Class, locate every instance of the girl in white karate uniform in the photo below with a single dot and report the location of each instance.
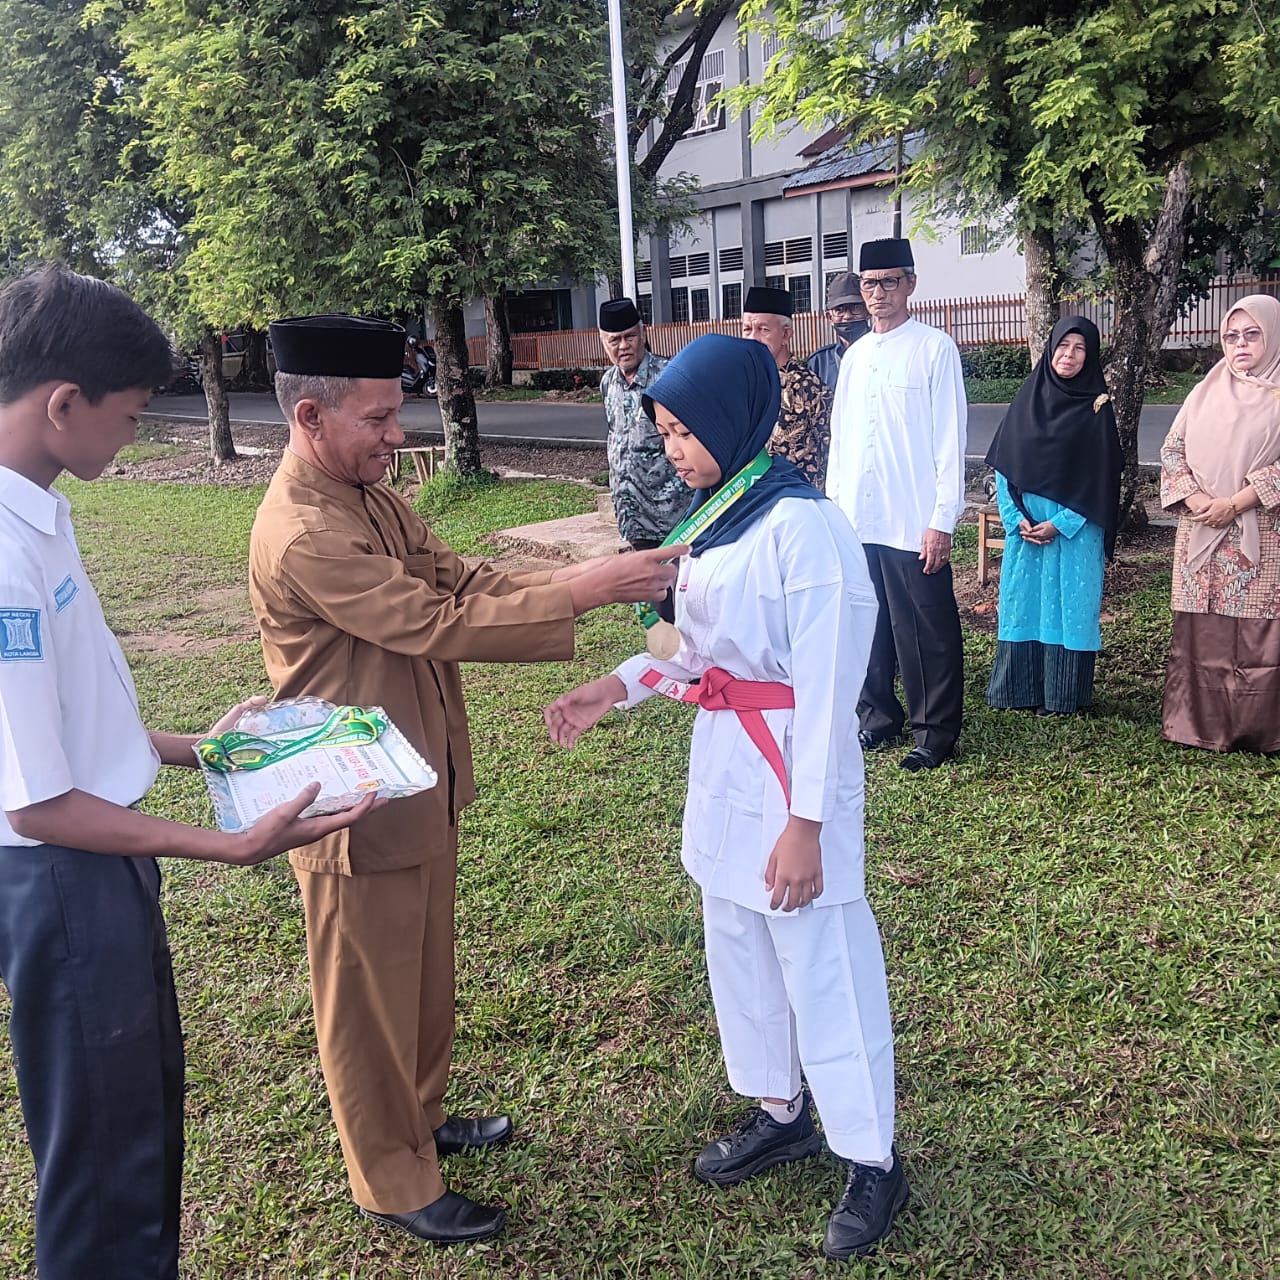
(775, 610)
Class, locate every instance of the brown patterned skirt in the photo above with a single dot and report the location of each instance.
(1222, 685)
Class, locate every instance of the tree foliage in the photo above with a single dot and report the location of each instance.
(1152, 124)
(378, 155)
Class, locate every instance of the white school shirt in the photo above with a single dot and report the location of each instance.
(68, 709)
(790, 601)
(898, 429)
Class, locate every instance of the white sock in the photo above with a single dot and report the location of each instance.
(784, 1112)
(883, 1165)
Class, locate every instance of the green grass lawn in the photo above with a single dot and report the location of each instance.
(1080, 925)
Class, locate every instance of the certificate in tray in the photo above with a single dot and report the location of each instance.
(276, 750)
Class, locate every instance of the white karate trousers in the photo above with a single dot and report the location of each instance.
(807, 991)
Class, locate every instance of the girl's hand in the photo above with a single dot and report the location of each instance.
(794, 872)
(1042, 534)
(573, 713)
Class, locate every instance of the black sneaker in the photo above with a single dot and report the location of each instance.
(865, 1213)
(757, 1143)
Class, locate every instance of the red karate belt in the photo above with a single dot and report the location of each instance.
(717, 690)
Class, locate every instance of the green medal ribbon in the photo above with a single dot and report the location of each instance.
(233, 751)
(706, 515)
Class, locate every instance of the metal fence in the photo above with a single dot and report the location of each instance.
(972, 322)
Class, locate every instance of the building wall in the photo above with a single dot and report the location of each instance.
(744, 209)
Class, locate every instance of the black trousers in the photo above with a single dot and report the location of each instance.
(917, 635)
(95, 1031)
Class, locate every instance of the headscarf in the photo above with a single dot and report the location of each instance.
(727, 393)
(1232, 422)
(1058, 438)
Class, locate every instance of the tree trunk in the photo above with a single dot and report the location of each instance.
(1145, 266)
(222, 448)
(1043, 305)
(254, 375)
(457, 400)
(497, 329)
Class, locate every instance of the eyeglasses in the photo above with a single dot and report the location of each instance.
(887, 283)
(1234, 337)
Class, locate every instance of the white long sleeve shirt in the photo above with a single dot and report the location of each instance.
(790, 602)
(898, 436)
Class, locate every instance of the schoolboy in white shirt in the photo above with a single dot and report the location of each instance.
(83, 949)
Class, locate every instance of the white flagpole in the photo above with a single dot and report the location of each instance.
(622, 151)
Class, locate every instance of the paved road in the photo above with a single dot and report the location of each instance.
(554, 422)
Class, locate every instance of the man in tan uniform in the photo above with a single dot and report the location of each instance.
(358, 602)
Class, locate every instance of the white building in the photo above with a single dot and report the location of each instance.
(788, 211)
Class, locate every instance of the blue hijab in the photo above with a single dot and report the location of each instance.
(726, 391)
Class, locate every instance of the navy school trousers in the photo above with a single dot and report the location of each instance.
(95, 1031)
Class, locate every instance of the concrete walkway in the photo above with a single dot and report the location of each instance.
(570, 539)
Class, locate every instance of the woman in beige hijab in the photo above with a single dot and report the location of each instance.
(1220, 474)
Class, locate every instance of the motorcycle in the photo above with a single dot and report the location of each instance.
(422, 380)
(186, 380)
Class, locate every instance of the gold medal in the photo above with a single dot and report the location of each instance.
(662, 640)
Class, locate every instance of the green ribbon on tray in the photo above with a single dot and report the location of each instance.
(707, 514)
(233, 751)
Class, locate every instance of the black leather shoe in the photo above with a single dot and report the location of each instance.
(453, 1219)
(921, 758)
(871, 741)
(467, 1133)
(757, 1143)
(865, 1213)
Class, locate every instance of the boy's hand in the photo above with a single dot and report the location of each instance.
(228, 721)
(794, 872)
(573, 713)
(282, 829)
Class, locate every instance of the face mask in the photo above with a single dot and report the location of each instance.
(849, 331)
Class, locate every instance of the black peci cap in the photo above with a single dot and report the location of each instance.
(338, 346)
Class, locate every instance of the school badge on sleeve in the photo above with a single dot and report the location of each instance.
(20, 639)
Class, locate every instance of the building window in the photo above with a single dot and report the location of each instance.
(700, 304)
(699, 264)
(835, 244)
(801, 293)
(975, 239)
(708, 113)
(644, 304)
(680, 306)
(731, 259)
(644, 271)
(730, 301)
(677, 268)
(774, 253)
(775, 282)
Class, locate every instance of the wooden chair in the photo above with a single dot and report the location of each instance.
(987, 517)
(427, 460)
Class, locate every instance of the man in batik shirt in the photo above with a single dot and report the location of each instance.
(803, 433)
(649, 499)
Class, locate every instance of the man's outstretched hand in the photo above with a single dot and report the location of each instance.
(631, 578)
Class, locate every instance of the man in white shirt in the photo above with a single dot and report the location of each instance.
(897, 471)
(83, 951)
